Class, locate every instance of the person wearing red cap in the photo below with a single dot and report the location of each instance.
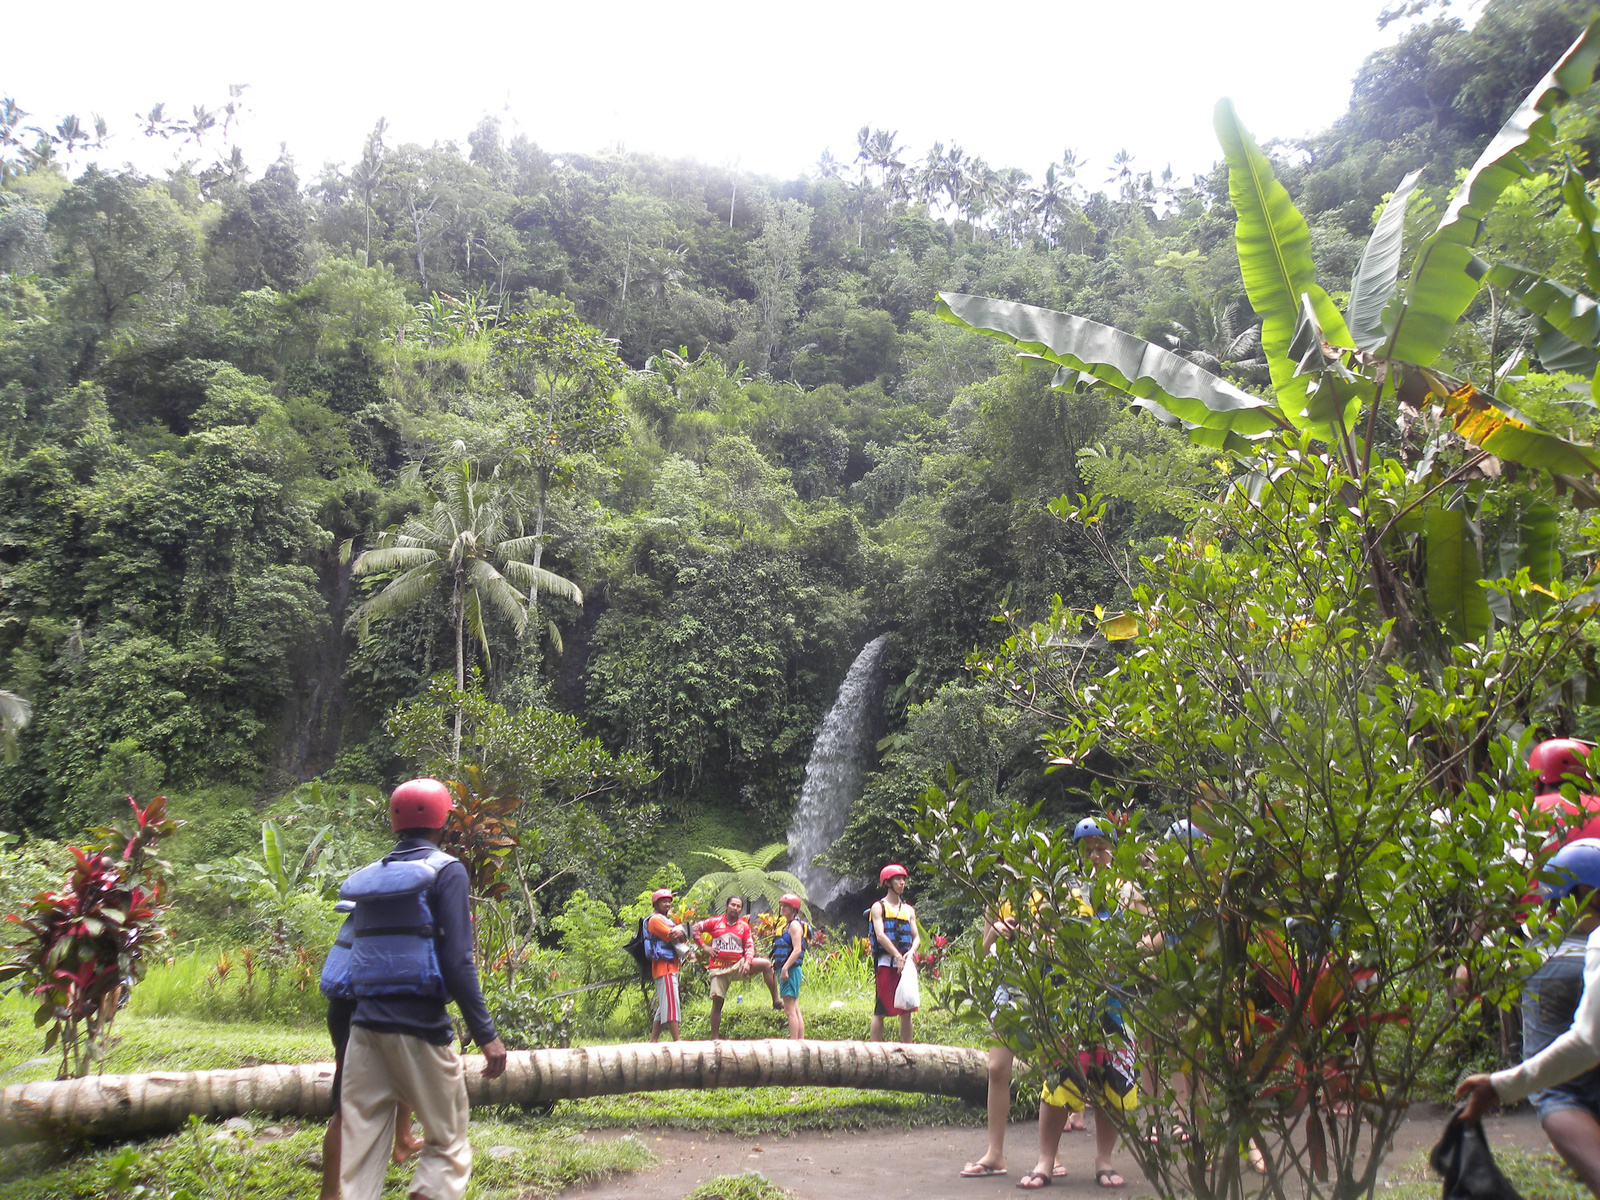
(401, 1045)
(1561, 761)
(895, 938)
(788, 953)
(660, 933)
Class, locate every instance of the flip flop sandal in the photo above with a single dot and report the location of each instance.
(1104, 1178)
(980, 1171)
(1059, 1171)
(1033, 1181)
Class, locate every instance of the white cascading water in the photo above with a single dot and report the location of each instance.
(834, 774)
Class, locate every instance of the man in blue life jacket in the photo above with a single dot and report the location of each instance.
(402, 975)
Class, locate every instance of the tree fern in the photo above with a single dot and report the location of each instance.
(748, 874)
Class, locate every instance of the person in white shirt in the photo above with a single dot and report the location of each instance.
(1560, 1028)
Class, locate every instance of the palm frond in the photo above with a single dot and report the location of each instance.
(538, 579)
(392, 558)
(411, 588)
(487, 583)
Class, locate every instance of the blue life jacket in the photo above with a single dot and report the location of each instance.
(386, 947)
(655, 947)
(782, 948)
(897, 929)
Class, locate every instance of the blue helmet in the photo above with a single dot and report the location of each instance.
(1185, 830)
(1089, 827)
(1579, 865)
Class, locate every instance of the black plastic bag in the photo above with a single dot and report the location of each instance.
(1462, 1157)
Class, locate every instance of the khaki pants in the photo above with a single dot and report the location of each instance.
(381, 1069)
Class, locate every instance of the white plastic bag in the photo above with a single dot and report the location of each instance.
(908, 993)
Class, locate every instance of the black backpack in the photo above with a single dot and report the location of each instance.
(635, 947)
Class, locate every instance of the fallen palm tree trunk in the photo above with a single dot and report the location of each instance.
(121, 1105)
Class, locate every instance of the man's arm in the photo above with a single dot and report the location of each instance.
(916, 933)
(1571, 1054)
(452, 918)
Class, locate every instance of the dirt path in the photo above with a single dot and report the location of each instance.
(923, 1164)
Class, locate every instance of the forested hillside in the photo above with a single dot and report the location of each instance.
(716, 406)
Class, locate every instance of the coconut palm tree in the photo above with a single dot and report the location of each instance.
(455, 542)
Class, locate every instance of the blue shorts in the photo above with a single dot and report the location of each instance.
(790, 987)
(1548, 1003)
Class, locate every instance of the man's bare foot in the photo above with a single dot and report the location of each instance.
(405, 1146)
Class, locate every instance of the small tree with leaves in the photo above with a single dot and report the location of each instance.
(85, 945)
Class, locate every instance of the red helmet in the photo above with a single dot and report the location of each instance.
(1558, 758)
(792, 900)
(419, 804)
(889, 872)
(661, 894)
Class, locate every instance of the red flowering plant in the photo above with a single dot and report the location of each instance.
(928, 961)
(84, 946)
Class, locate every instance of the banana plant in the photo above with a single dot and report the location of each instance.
(1331, 371)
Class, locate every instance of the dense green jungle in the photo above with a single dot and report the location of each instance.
(704, 429)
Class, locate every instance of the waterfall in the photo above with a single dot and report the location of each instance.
(834, 773)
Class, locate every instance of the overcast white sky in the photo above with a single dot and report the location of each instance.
(770, 86)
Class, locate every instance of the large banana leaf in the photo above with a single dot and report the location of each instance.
(1212, 439)
(1454, 596)
(1119, 359)
(1494, 426)
(1587, 215)
(1379, 271)
(1574, 315)
(1441, 286)
(1275, 260)
(1558, 352)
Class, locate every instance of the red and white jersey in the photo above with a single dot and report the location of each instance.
(731, 941)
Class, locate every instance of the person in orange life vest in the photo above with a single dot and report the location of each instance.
(401, 1044)
(660, 930)
(733, 953)
(895, 938)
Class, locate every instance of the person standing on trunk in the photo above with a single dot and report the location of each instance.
(659, 935)
(410, 953)
(895, 938)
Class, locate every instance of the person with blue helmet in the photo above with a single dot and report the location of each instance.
(1560, 1072)
(1104, 1076)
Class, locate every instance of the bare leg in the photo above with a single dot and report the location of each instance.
(1052, 1121)
(404, 1144)
(797, 1020)
(1001, 1062)
(1105, 1141)
(905, 1029)
(876, 1029)
(716, 1016)
(764, 965)
(1576, 1136)
(330, 1159)
(672, 1028)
